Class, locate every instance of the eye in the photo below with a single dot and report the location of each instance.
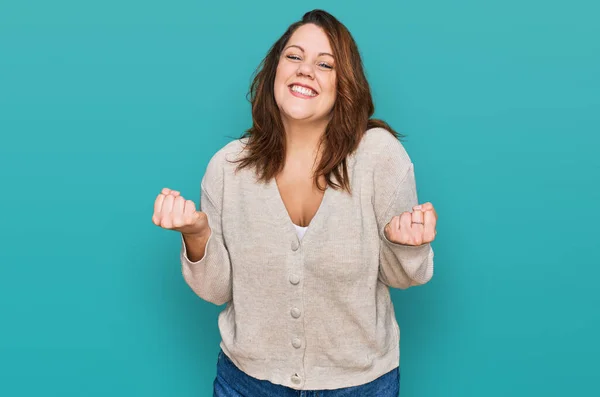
(293, 57)
(325, 65)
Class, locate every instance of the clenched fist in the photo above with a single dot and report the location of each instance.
(172, 211)
(414, 228)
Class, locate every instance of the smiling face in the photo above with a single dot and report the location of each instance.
(305, 81)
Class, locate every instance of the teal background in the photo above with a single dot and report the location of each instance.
(103, 103)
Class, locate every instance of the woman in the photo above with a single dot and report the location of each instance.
(306, 222)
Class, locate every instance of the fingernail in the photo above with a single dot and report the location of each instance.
(417, 207)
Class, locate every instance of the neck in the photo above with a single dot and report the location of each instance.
(303, 137)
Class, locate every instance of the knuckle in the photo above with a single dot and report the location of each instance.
(413, 239)
(404, 238)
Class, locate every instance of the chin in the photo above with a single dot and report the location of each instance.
(298, 114)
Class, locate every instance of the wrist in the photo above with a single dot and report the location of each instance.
(200, 236)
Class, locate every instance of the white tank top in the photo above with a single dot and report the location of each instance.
(300, 230)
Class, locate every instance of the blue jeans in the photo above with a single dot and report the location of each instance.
(233, 382)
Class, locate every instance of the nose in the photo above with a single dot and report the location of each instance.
(306, 69)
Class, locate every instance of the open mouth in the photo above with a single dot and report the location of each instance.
(302, 91)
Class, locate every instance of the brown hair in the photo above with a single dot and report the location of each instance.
(351, 112)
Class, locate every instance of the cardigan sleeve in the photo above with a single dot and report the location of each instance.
(400, 266)
(210, 276)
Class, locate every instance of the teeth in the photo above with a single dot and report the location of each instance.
(303, 90)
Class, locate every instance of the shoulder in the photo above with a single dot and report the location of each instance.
(385, 166)
(379, 146)
(230, 152)
(223, 161)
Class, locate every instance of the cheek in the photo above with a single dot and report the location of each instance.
(330, 84)
(279, 85)
(283, 73)
(278, 75)
(282, 76)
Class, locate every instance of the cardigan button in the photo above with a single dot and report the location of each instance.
(295, 245)
(295, 312)
(296, 379)
(297, 343)
(294, 279)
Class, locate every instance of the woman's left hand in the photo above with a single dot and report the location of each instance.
(414, 228)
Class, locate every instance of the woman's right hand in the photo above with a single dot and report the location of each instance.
(173, 212)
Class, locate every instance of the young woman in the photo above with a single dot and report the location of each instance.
(307, 220)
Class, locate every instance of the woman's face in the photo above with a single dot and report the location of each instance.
(305, 82)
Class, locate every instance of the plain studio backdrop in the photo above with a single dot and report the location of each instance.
(103, 103)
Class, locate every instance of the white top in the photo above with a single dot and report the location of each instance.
(300, 230)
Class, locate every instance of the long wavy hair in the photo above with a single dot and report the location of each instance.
(352, 110)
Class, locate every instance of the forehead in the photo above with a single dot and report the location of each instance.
(310, 37)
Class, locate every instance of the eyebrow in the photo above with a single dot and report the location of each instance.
(302, 49)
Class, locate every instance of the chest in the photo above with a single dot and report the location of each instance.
(300, 196)
(339, 244)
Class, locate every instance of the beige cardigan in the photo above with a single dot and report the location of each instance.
(312, 313)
